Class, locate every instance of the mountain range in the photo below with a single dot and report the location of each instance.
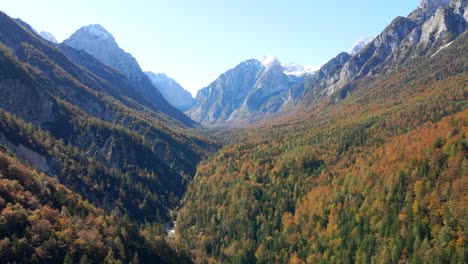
(360, 160)
(249, 91)
(255, 89)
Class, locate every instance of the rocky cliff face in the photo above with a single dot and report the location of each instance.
(426, 9)
(460, 7)
(172, 91)
(247, 92)
(431, 26)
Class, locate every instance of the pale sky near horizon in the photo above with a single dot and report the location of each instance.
(196, 41)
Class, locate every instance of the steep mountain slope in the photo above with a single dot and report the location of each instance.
(114, 151)
(111, 81)
(175, 94)
(371, 168)
(431, 26)
(95, 40)
(247, 92)
(42, 221)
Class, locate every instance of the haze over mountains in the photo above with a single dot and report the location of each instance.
(360, 160)
(172, 91)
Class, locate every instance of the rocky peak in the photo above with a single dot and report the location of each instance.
(359, 45)
(426, 9)
(98, 42)
(269, 61)
(97, 31)
(432, 4)
(253, 88)
(48, 36)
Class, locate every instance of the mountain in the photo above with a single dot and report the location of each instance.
(175, 94)
(369, 167)
(89, 128)
(359, 45)
(48, 36)
(431, 26)
(98, 42)
(247, 92)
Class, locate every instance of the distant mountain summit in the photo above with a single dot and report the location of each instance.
(98, 42)
(298, 70)
(359, 45)
(172, 91)
(248, 91)
(45, 35)
(48, 36)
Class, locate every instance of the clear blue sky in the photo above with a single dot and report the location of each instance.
(196, 41)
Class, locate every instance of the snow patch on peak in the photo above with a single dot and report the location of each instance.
(298, 70)
(48, 36)
(268, 60)
(291, 69)
(359, 45)
(97, 31)
(158, 76)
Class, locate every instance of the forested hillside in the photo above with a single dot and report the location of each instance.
(376, 176)
(91, 129)
(364, 160)
(42, 221)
